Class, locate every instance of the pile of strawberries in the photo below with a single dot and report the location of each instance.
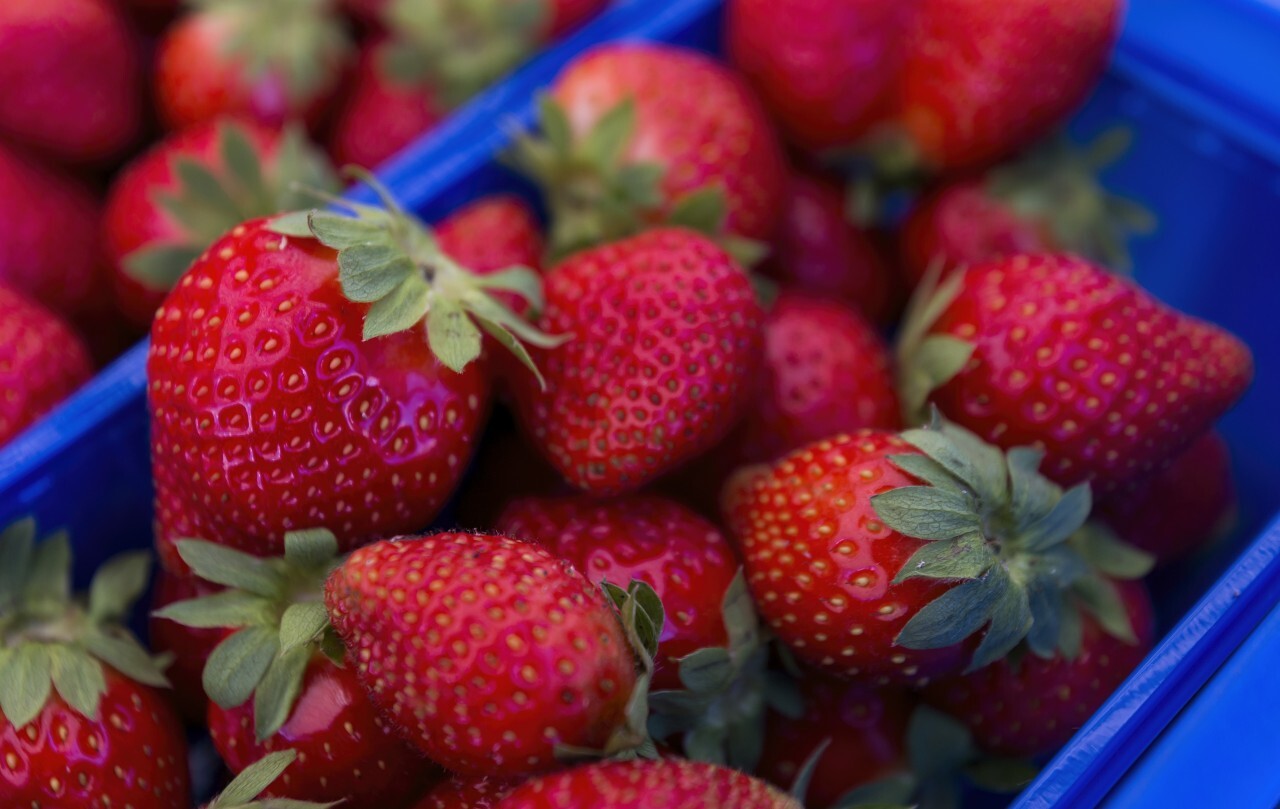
(700, 538)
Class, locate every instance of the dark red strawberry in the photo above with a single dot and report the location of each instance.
(1055, 352)
(819, 65)
(865, 731)
(42, 361)
(1180, 509)
(225, 57)
(81, 720)
(819, 250)
(664, 341)
(189, 646)
(278, 401)
(72, 79)
(1030, 705)
(643, 784)
(172, 202)
(467, 793)
(637, 134)
(487, 653)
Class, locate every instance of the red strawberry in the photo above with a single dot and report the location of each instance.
(820, 65)
(172, 202)
(862, 571)
(864, 729)
(1055, 352)
(1030, 705)
(42, 361)
(512, 652)
(72, 79)
(189, 646)
(819, 250)
(643, 784)
(226, 58)
(665, 336)
(637, 134)
(81, 721)
(1180, 509)
(467, 793)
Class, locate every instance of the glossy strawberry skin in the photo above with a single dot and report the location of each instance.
(684, 558)
(665, 342)
(865, 729)
(1112, 383)
(642, 784)
(498, 651)
(269, 412)
(190, 647)
(135, 754)
(820, 563)
(42, 361)
(1032, 707)
(820, 66)
(694, 117)
(346, 750)
(467, 793)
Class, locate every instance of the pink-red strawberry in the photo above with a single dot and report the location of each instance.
(172, 202)
(487, 653)
(644, 784)
(42, 361)
(72, 79)
(1029, 705)
(189, 646)
(637, 134)
(1055, 352)
(664, 341)
(467, 793)
(82, 722)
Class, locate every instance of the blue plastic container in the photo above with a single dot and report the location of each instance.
(1194, 79)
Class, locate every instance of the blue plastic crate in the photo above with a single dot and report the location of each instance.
(1195, 81)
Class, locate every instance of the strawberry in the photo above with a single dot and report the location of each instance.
(642, 784)
(189, 646)
(81, 721)
(637, 134)
(820, 66)
(1030, 705)
(665, 336)
(42, 361)
(225, 57)
(819, 250)
(1178, 510)
(291, 403)
(72, 79)
(1055, 352)
(512, 654)
(467, 793)
(172, 202)
(883, 556)
(273, 684)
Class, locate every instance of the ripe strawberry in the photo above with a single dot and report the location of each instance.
(665, 336)
(42, 361)
(172, 202)
(269, 410)
(864, 728)
(225, 58)
(638, 134)
(1031, 705)
(1178, 510)
(487, 653)
(467, 793)
(642, 784)
(820, 66)
(189, 646)
(819, 250)
(81, 721)
(72, 79)
(862, 571)
(1055, 352)
(276, 648)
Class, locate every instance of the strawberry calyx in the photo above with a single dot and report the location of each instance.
(207, 203)
(926, 361)
(460, 47)
(1027, 562)
(276, 607)
(244, 789)
(392, 261)
(50, 640)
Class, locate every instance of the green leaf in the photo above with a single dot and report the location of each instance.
(737, 610)
(705, 742)
(278, 690)
(1100, 547)
(17, 543)
(680, 703)
(230, 567)
(1101, 597)
(402, 309)
(949, 448)
(454, 337)
(783, 695)
(1032, 495)
(956, 614)
(966, 557)
(237, 665)
(302, 623)
(707, 671)
(122, 652)
(48, 578)
(346, 232)
(1071, 635)
(891, 791)
(25, 680)
(703, 209)
(1064, 519)
(508, 341)
(310, 547)
(800, 786)
(117, 585)
(938, 746)
(369, 283)
(226, 610)
(522, 281)
(204, 206)
(241, 162)
(555, 123)
(1001, 775)
(640, 183)
(1047, 606)
(78, 679)
(160, 266)
(926, 512)
(938, 359)
(748, 253)
(1010, 622)
(990, 475)
(295, 223)
(605, 143)
(255, 778)
(650, 605)
(928, 470)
